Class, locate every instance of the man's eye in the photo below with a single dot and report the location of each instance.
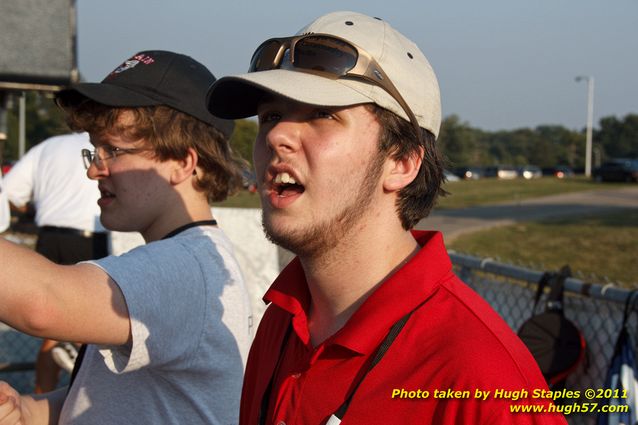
(107, 150)
(320, 113)
(267, 117)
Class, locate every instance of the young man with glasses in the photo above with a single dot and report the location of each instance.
(368, 323)
(168, 323)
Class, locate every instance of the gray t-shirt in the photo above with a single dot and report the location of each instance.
(190, 322)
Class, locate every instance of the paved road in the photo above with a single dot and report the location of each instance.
(456, 222)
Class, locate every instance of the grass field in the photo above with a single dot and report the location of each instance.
(602, 245)
(467, 193)
(243, 199)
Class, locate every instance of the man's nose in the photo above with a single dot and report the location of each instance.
(95, 173)
(285, 136)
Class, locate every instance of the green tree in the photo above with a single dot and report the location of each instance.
(243, 138)
(552, 145)
(459, 142)
(618, 138)
(43, 119)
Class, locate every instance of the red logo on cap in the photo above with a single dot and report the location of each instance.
(132, 63)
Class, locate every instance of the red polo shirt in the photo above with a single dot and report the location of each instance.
(453, 345)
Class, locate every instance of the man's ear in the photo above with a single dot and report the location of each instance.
(185, 168)
(400, 172)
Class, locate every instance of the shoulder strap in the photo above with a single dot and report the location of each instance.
(554, 300)
(556, 283)
(383, 348)
(542, 282)
(265, 399)
(629, 304)
(76, 366)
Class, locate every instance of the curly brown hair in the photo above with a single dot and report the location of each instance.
(398, 139)
(170, 133)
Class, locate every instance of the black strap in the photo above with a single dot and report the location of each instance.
(76, 366)
(556, 283)
(554, 300)
(629, 304)
(265, 400)
(180, 229)
(381, 350)
(542, 282)
(82, 350)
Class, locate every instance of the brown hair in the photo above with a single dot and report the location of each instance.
(170, 133)
(398, 140)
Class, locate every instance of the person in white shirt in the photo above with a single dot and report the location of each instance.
(5, 214)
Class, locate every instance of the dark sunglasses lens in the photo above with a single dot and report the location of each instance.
(324, 54)
(264, 57)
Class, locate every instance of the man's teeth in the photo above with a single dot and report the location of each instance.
(284, 178)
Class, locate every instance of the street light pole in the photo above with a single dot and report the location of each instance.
(590, 120)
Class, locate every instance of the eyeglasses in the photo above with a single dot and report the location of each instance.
(104, 153)
(328, 56)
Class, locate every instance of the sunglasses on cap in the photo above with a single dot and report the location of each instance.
(327, 56)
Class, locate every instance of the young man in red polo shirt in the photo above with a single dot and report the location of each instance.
(368, 324)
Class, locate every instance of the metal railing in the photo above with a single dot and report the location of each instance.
(596, 310)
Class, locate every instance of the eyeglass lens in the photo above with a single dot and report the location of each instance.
(99, 155)
(87, 158)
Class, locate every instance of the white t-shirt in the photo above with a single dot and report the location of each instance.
(191, 331)
(52, 174)
(5, 214)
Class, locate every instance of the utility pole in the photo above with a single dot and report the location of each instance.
(590, 121)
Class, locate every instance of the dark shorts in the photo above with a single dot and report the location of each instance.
(67, 246)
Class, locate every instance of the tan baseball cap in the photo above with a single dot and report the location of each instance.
(403, 62)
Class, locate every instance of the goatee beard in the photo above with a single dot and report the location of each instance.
(321, 236)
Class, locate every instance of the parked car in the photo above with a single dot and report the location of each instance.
(529, 172)
(501, 172)
(469, 173)
(560, 171)
(249, 182)
(6, 167)
(617, 170)
(450, 176)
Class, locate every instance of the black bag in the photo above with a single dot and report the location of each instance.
(554, 341)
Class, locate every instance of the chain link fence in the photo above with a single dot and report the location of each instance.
(596, 310)
(17, 357)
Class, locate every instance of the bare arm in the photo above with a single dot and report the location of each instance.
(69, 303)
(30, 410)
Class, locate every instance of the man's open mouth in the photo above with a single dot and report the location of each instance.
(285, 185)
(106, 194)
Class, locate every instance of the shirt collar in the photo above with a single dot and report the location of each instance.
(401, 293)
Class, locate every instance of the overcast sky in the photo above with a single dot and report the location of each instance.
(501, 64)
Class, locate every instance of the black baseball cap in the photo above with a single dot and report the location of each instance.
(149, 78)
